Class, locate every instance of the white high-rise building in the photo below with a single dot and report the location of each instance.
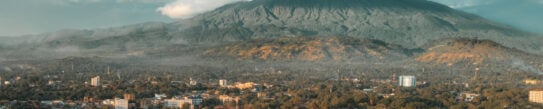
(121, 103)
(223, 83)
(95, 81)
(407, 81)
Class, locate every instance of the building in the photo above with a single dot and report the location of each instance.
(386, 95)
(175, 103)
(95, 81)
(195, 99)
(226, 99)
(160, 96)
(407, 81)
(120, 103)
(536, 96)
(88, 99)
(468, 97)
(246, 85)
(223, 83)
(531, 81)
(193, 82)
(264, 95)
(50, 82)
(192, 101)
(129, 96)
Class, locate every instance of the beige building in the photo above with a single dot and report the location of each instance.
(531, 81)
(95, 81)
(226, 99)
(223, 83)
(121, 103)
(536, 96)
(175, 103)
(116, 103)
(246, 85)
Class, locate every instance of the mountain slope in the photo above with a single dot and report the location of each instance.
(473, 51)
(410, 23)
(311, 49)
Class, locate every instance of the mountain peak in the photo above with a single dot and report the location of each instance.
(410, 23)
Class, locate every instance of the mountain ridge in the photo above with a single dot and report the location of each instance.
(260, 19)
(409, 23)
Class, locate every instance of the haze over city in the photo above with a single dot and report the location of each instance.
(23, 17)
(278, 54)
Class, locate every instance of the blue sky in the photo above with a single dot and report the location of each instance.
(18, 17)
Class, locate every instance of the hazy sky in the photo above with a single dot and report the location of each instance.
(523, 14)
(18, 17)
(37, 16)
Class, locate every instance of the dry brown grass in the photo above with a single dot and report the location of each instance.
(464, 50)
(303, 48)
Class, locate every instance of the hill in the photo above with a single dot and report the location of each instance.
(473, 51)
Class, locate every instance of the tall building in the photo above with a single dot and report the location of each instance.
(407, 81)
(223, 83)
(95, 81)
(536, 96)
(120, 103)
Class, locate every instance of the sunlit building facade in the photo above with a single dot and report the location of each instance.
(407, 81)
(536, 96)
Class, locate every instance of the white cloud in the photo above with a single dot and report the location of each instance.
(189, 8)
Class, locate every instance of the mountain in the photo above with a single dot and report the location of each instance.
(473, 52)
(410, 24)
(312, 49)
